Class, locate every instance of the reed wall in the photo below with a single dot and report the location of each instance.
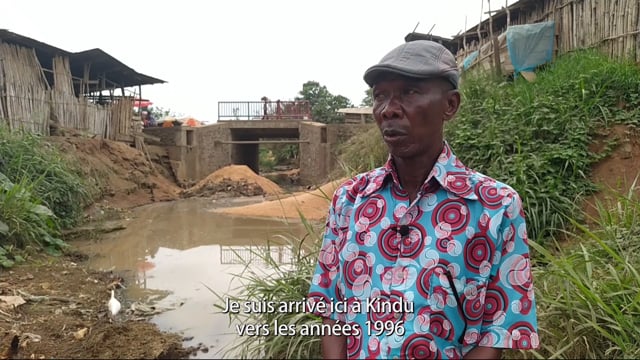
(609, 25)
(28, 103)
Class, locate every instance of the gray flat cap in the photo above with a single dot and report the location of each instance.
(419, 59)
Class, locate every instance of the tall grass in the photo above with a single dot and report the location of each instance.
(57, 181)
(588, 299)
(24, 221)
(272, 281)
(535, 136)
(41, 192)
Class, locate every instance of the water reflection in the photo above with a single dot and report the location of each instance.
(174, 251)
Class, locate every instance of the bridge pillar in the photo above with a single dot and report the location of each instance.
(314, 153)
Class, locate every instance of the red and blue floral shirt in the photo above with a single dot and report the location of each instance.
(429, 279)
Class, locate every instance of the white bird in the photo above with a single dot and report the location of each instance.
(114, 305)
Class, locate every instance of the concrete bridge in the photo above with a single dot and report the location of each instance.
(196, 152)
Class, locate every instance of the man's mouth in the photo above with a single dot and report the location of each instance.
(393, 134)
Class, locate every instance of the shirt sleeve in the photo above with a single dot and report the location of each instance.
(324, 284)
(510, 319)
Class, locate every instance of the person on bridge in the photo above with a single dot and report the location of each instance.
(423, 257)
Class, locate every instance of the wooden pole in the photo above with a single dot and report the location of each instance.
(506, 8)
(480, 26)
(494, 45)
(464, 39)
(140, 97)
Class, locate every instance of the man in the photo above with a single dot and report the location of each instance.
(444, 247)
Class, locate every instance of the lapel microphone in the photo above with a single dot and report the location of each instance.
(403, 230)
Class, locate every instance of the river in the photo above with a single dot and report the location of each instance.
(171, 253)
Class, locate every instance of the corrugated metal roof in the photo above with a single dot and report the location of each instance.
(101, 62)
(499, 18)
(112, 68)
(361, 110)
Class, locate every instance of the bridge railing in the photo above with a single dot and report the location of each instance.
(264, 110)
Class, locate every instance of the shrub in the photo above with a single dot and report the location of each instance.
(57, 182)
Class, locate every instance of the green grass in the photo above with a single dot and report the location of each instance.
(280, 283)
(58, 182)
(41, 192)
(588, 300)
(534, 136)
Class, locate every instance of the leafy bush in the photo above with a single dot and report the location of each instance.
(57, 182)
(41, 192)
(23, 221)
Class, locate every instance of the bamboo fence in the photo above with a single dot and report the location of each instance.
(120, 121)
(24, 96)
(613, 26)
(76, 112)
(27, 102)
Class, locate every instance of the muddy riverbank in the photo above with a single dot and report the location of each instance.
(60, 311)
(57, 305)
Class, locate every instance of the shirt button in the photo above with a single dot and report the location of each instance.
(397, 315)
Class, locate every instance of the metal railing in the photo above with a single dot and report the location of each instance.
(256, 254)
(264, 110)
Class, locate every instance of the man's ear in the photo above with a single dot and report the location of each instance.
(453, 103)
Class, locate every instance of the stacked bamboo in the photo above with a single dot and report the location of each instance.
(76, 112)
(24, 99)
(612, 26)
(121, 117)
(65, 104)
(96, 118)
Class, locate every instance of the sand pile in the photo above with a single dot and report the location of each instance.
(313, 205)
(234, 180)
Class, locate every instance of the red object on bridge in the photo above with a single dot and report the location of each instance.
(141, 103)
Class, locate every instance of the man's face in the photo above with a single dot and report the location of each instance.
(411, 113)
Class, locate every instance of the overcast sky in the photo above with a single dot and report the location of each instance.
(240, 50)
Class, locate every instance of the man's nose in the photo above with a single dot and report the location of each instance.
(392, 108)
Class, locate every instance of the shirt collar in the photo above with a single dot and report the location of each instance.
(449, 172)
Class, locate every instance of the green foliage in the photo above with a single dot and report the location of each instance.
(24, 221)
(368, 98)
(56, 182)
(266, 159)
(361, 153)
(588, 302)
(324, 105)
(41, 192)
(160, 113)
(535, 136)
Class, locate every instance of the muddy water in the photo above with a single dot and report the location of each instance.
(171, 252)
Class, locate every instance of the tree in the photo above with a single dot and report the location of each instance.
(160, 113)
(324, 105)
(368, 99)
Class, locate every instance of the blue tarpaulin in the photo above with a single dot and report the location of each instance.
(530, 45)
(469, 60)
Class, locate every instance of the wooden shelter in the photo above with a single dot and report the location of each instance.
(449, 43)
(43, 86)
(360, 115)
(609, 25)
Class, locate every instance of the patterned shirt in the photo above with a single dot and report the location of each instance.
(386, 265)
